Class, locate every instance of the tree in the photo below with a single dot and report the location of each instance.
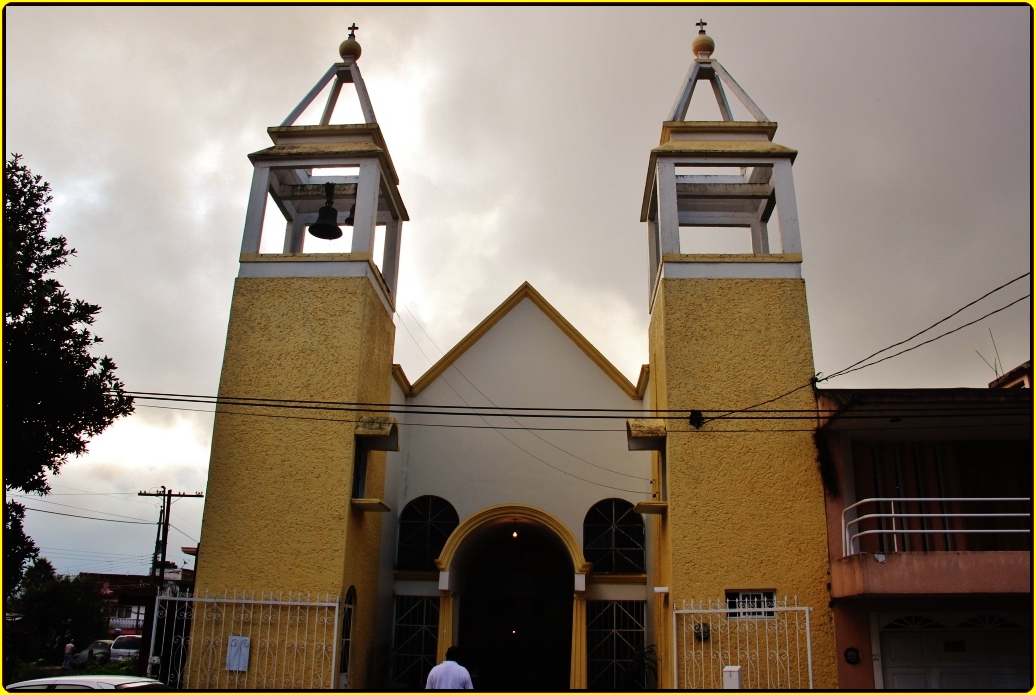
(56, 394)
(58, 608)
(19, 549)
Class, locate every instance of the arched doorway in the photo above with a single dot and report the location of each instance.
(515, 622)
(543, 569)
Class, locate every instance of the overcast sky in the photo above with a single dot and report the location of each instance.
(521, 137)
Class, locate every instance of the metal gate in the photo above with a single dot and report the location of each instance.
(245, 640)
(768, 639)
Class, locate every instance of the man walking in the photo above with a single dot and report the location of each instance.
(69, 649)
(449, 675)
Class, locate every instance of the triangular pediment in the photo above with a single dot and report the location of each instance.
(525, 291)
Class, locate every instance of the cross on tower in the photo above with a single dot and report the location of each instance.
(701, 24)
(352, 30)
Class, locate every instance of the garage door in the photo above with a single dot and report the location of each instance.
(955, 651)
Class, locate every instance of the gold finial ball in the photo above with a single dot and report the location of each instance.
(350, 48)
(703, 46)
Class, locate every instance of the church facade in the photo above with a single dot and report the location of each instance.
(522, 499)
(454, 523)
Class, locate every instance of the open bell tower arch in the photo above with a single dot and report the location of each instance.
(292, 175)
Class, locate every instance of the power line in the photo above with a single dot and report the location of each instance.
(69, 506)
(931, 340)
(88, 492)
(724, 414)
(856, 366)
(942, 320)
(554, 413)
(850, 416)
(49, 549)
(190, 538)
(805, 414)
(463, 376)
(497, 430)
(93, 518)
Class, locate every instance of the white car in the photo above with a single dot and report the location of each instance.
(125, 647)
(88, 683)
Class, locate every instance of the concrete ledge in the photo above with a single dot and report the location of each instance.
(732, 257)
(303, 257)
(726, 268)
(960, 572)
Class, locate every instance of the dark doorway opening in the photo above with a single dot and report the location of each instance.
(516, 611)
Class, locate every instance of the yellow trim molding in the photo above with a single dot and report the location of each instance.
(400, 376)
(512, 511)
(642, 380)
(640, 579)
(527, 291)
(577, 670)
(445, 637)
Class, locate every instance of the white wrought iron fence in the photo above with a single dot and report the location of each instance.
(893, 519)
(769, 639)
(245, 641)
(126, 623)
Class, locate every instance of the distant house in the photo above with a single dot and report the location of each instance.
(928, 512)
(131, 596)
(1019, 377)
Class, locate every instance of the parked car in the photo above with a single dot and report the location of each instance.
(97, 651)
(88, 683)
(125, 647)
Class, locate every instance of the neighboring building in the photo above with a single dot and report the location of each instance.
(522, 498)
(1018, 378)
(131, 596)
(929, 531)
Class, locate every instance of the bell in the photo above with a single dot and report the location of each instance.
(326, 226)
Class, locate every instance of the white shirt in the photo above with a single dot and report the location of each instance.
(449, 675)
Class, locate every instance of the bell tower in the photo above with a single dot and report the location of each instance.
(297, 464)
(739, 503)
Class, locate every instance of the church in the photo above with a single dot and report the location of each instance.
(359, 522)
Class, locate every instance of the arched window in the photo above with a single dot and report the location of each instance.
(424, 526)
(613, 537)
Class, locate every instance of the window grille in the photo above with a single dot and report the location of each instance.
(613, 538)
(615, 645)
(751, 604)
(424, 526)
(414, 639)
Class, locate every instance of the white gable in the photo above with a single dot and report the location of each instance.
(523, 360)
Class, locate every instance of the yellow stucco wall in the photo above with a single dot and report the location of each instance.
(746, 509)
(277, 514)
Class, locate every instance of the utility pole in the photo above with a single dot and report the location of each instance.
(162, 539)
(157, 571)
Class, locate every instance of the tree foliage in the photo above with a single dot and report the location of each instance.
(19, 550)
(56, 394)
(57, 608)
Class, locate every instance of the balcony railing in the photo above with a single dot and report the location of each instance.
(126, 623)
(929, 523)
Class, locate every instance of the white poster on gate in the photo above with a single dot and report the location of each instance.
(237, 653)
